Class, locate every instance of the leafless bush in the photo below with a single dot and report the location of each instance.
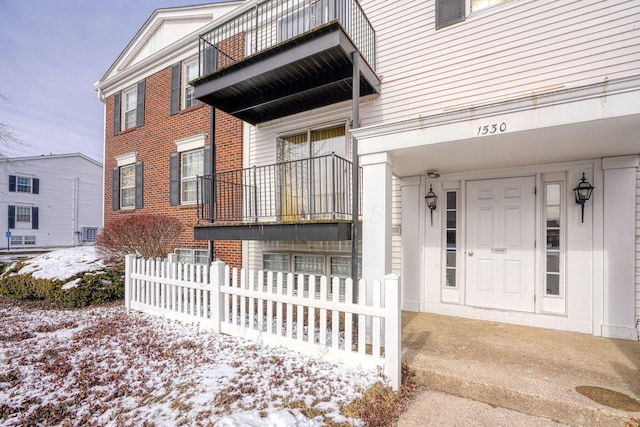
(145, 235)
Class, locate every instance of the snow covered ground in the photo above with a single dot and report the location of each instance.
(107, 366)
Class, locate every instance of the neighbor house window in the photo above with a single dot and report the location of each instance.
(29, 240)
(128, 187)
(22, 217)
(16, 240)
(23, 214)
(23, 184)
(129, 107)
(192, 166)
(189, 72)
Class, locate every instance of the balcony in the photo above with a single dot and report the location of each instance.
(282, 57)
(302, 200)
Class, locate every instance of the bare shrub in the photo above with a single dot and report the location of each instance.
(145, 235)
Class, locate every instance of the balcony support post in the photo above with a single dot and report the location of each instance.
(212, 197)
(355, 164)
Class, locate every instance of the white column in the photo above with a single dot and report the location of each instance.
(412, 199)
(376, 216)
(619, 246)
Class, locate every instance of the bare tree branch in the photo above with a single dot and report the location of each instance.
(8, 138)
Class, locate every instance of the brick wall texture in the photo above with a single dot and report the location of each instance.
(155, 140)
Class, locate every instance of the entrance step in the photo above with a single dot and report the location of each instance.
(541, 372)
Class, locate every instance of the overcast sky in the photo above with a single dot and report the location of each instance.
(51, 54)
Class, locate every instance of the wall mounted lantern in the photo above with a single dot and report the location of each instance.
(583, 192)
(431, 199)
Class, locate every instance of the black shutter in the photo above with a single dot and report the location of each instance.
(206, 190)
(449, 12)
(210, 59)
(116, 113)
(140, 98)
(174, 105)
(115, 189)
(12, 183)
(206, 169)
(36, 186)
(12, 217)
(139, 186)
(34, 218)
(174, 179)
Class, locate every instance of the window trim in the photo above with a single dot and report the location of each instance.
(190, 178)
(24, 208)
(121, 186)
(184, 83)
(191, 253)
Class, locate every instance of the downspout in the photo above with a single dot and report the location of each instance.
(212, 198)
(355, 172)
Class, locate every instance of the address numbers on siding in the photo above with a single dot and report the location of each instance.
(492, 128)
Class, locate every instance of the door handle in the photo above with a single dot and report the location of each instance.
(470, 253)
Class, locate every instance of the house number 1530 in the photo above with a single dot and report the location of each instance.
(492, 128)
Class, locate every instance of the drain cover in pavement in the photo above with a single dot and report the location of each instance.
(609, 398)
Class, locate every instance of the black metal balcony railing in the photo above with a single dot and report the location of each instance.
(274, 21)
(314, 189)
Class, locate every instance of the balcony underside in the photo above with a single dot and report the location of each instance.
(297, 232)
(309, 71)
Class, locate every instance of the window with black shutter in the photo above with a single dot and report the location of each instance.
(449, 12)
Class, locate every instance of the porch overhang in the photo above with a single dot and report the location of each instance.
(582, 123)
(295, 232)
(311, 70)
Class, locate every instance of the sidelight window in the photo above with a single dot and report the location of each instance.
(553, 197)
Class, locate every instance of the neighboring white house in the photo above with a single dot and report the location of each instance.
(50, 200)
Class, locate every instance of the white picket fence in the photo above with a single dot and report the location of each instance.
(313, 318)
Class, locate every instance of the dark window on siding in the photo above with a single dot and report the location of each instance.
(449, 12)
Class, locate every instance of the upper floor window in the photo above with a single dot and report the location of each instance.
(129, 105)
(313, 143)
(191, 160)
(477, 5)
(23, 184)
(192, 166)
(189, 72)
(452, 11)
(128, 108)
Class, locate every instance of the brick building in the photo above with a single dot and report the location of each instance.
(158, 137)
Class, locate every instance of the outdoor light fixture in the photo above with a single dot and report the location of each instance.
(431, 201)
(583, 192)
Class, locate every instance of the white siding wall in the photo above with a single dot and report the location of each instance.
(70, 197)
(515, 49)
(262, 151)
(638, 247)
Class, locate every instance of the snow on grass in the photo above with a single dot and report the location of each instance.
(108, 366)
(63, 264)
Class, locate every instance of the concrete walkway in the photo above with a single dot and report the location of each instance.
(528, 370)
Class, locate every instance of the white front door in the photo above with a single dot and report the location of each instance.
(500, 247)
